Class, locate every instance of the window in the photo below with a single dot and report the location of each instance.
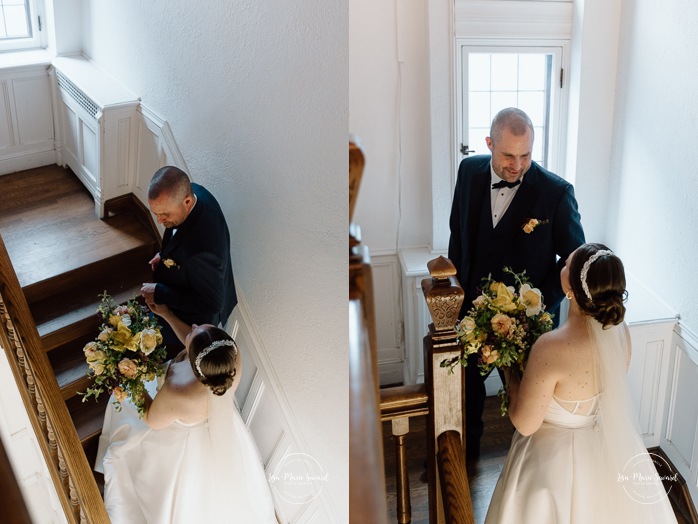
(493, 78)
(21, 25)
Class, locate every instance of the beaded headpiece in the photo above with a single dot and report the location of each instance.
(585, 269)
(207, 350)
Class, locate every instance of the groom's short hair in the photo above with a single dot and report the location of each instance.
(513, 119)
(171, 181)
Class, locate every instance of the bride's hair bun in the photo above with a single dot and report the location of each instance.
(605, 281)
(217, 367)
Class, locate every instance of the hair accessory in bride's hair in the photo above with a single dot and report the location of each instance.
(585, 269)
(207, 350)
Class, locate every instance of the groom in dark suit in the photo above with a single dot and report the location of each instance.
(508, 212)
(192, 273)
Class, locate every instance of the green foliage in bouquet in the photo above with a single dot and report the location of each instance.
(502, 326)
(127, 352)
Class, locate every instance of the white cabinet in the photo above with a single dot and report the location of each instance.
(98, 128)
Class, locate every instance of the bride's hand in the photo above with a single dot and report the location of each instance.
(159, 309)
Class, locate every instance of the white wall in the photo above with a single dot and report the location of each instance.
(256, 96)
(654, 181)
(389, 111)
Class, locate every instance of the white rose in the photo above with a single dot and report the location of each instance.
(149, 341)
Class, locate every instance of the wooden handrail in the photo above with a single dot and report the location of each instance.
(367, 502)
(455, 491)
(404, 401)
(49, 416)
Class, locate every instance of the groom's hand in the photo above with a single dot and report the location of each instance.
(154, 261)
(148, 293)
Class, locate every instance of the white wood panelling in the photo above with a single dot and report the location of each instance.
(386, 292)
(680, 410)
(26, 118)
(262, 406)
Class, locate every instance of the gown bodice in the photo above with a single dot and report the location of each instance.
(582, 415)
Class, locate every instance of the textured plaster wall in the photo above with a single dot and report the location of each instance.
(256, 96)
(654, 180)
(389, 111)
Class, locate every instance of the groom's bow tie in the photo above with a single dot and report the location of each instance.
(504, 183)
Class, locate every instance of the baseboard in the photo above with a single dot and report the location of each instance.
(27, 161)
(680, 498)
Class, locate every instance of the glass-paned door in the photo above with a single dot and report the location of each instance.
(493, 78)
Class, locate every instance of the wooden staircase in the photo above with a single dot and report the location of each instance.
(65, 257)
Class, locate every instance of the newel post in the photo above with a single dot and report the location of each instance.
(444, 297)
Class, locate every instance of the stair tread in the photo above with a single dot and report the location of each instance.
(109, 237)
(84, 306)
(88, 416)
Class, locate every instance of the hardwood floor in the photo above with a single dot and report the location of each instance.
(482, 475)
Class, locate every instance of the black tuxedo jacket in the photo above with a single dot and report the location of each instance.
(477, 249)
(198, 285)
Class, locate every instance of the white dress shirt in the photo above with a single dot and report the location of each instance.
(500, 198)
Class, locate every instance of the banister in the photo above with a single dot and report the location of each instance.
(49, 416)
(404, 401)
(444, 297)
(367, 502)
(454, 479)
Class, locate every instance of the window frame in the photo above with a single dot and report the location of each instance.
(559, 94)
(38, 40)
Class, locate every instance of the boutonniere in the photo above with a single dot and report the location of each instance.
(170, 263)
(531, 224)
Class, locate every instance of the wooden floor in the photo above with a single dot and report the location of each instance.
(39, 223)
(482, 475)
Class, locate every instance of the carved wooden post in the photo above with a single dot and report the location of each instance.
(444, 298)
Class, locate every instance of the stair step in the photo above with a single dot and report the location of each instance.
(93, 277)
(58, 327)
(88, 416)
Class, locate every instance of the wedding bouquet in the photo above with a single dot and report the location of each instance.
(502, 326)
(127, 352)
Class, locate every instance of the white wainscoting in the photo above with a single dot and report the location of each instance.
(679, 436)
(265, 412)
(386, 292)
(648, 374)
(26, 118)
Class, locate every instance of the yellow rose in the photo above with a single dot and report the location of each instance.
(501, 324)
(168, 263)
(97, 367)
(489, 355)
(531, 298)
(480, 301)
(149, 340)
(96, 356)
(545, 317)
(89, 350)
(504, 299)
(114, 320)
(128, 368)
(104, 335)
(119, 393)
(494, 355)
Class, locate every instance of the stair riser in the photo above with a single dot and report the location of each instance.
(93, 274)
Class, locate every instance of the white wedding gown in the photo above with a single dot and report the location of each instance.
(184, 473)
(587, 463)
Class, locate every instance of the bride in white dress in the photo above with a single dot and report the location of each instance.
(576, 455)
(190, 458)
